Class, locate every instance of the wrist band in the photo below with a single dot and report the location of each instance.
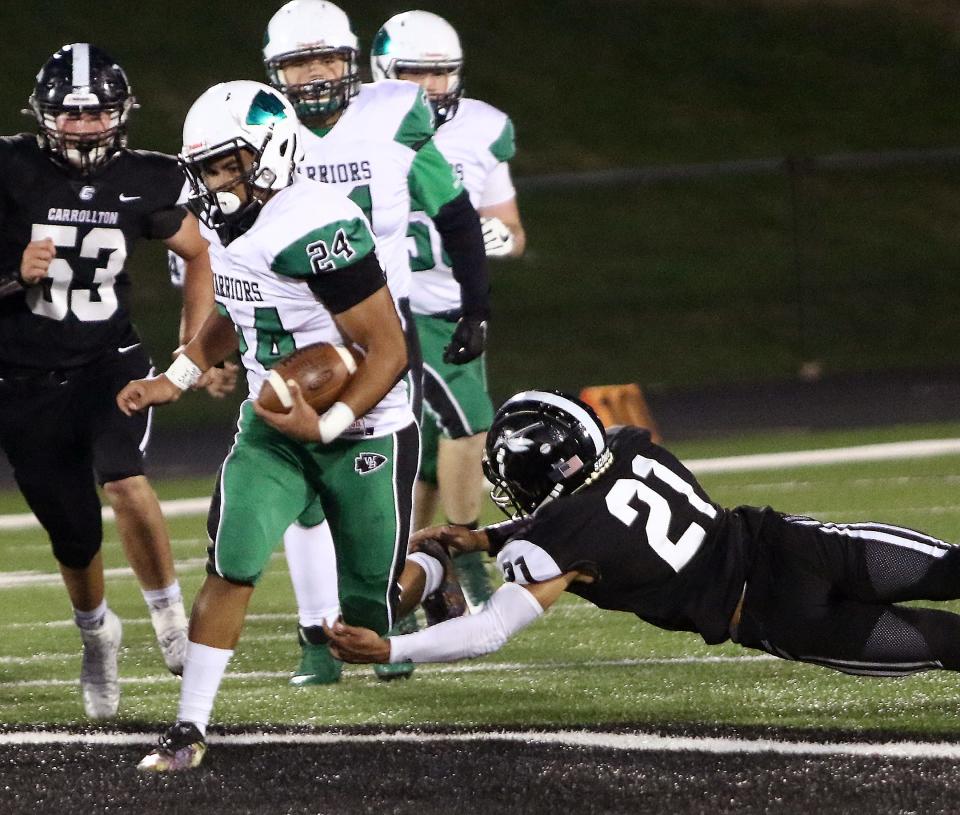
(337, 419)
(183, 372)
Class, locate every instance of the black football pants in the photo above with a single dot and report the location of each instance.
(825, 593)
(63, 433)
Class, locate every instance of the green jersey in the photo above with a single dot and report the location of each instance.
(271, 282)
(381, 154)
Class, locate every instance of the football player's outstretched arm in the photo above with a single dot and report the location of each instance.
(216, 339)
(509, 610)
(197, 285)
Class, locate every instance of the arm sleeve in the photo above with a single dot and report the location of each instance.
(509, 610)
(167, 185)
(342, 289)
(459, 228)
(165, 222)
(338, 261)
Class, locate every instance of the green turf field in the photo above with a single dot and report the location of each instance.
(578, 666)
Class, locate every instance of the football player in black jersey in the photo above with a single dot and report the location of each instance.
(74, 201)
(619, 521)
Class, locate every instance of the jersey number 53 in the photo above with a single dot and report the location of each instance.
(54, 298)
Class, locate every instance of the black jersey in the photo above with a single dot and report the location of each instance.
(655, 543)
(82, 308)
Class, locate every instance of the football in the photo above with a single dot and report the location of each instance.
(322, 371)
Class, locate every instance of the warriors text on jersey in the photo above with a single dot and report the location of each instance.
(648, 534)
(83, 307)
(380, 153)
(308, 244)
(478, 142)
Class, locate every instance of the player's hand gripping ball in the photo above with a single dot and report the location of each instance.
(322, 371)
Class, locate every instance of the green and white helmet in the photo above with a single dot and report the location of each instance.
(299, 30)
(421, 41)
(226, 119)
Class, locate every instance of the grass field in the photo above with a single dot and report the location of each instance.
(577, 667)
(586, 710)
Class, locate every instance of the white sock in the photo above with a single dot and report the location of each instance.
(312, 561)
(91, 619)
(203, 670)
(433, 571)
(157, 599)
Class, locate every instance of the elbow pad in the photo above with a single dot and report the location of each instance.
(459, 228)
(510, 609)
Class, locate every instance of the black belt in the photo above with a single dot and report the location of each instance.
(451, 316)
(38, 379)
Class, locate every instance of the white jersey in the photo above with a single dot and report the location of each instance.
(368, 155)
(262, 281)
(478, 142)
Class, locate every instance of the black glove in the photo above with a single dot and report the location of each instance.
(469, 339)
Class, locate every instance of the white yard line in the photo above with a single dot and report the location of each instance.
(483, 667)
(640, 742)
(890, 451)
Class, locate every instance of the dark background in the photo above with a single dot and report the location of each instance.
(711, 279)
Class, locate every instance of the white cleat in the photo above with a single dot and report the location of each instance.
(170, 624)
(99, 678)
(182, 747)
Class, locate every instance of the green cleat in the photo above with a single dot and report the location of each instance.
(317, 665)
(401, 670)
(472, 574)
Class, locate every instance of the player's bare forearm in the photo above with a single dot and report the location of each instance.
(197, 278)
(357, 645)
(197, 296)
(456, 537)
(375, 326)
(214, 342)
(143, 393)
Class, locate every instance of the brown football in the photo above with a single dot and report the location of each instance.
(322, 371)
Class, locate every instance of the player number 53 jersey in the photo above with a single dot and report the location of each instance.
(82, 309)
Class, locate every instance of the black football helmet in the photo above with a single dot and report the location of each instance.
(541, 445)
(81, 78)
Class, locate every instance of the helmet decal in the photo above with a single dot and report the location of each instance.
(421, 42)
(381, 43)
(264, 109)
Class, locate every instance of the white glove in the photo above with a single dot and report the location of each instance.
(497, 237)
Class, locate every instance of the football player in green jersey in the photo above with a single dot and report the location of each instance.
(295, 265)
(478, 141)
(376, 143)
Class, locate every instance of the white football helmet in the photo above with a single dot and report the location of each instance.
(228, 118)
(305, 28)
(421, 41)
